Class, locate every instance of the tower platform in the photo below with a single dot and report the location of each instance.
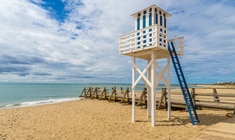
(142, 42)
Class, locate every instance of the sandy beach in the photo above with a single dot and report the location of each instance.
(95, 119)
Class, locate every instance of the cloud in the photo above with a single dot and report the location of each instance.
(208, 31)
(38, 42)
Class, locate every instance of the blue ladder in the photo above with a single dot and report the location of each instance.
(184, 87)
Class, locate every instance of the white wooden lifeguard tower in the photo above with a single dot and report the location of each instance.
(149, 42)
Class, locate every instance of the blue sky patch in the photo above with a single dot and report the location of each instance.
(57, 8)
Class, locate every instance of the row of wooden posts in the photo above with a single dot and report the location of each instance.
(121, 95)
(141, 99)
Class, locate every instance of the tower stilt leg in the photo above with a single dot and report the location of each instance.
(133, 89)
(169, 90)
(149, 94)
(153, 89)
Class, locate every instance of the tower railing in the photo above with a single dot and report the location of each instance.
(179, 44)
(146, 38)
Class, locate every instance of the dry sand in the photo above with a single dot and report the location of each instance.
(95, 119)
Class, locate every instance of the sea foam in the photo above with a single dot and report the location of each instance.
(41, 102)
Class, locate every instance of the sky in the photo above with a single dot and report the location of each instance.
(77, 40)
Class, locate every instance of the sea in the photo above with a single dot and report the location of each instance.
(29, 94)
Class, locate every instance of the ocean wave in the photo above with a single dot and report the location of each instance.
(41, 102)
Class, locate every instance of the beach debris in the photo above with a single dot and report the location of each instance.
(229, 115)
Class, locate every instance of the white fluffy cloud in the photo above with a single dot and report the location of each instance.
(84, 47)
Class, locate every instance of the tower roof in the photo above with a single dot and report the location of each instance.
(135, 15)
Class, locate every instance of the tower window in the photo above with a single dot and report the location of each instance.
(164, 22)
(144, 21)
(160, 20)
(150, 40)
(155, 9)
(150, 19)
(150, 30)
(144, 12)
(138, 23)
(156, 19)
(144, 41)
(160, 39)
(144, 32)
(144, 36)
(150, 9)
(138, 33)
(150, 35)
(139, 14)
(138, 38)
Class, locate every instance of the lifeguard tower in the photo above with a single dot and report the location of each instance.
(150, 42)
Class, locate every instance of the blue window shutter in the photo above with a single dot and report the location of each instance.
(138, 23)
(164, 22)
(156, 18)
(144, 21)
(160, 20)
(150, 19)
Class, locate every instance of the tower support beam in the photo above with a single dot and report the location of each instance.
(155, 74)
(141, 74)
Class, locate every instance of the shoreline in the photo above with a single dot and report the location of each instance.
(39, 103)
